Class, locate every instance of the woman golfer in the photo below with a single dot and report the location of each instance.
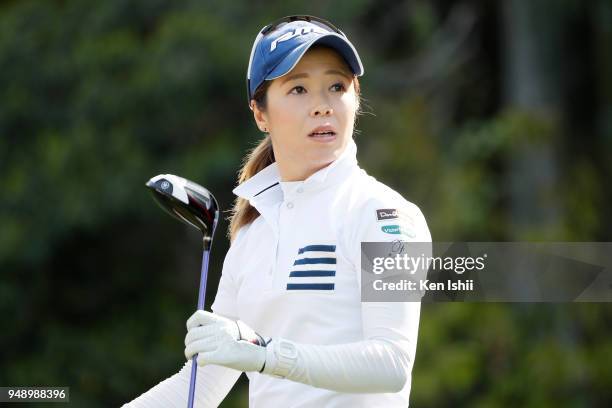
(288, 310)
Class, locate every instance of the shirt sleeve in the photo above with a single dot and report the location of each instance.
(225, 299)
(225, 302)
(394, 323)
(212, 385)
(383, 361)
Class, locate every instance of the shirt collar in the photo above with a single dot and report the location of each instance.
(269, 177)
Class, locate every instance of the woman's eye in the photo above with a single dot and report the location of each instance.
(300, 89)
(339, 86)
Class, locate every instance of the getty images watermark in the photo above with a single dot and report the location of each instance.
(402, 271)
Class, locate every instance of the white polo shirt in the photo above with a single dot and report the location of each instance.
(294, 272)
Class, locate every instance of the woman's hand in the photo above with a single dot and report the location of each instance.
(221, 341)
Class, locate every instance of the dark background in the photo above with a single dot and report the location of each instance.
(495, 117)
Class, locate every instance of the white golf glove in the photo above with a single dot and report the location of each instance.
(225, 342)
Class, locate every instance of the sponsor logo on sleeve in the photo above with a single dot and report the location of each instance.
(386, 214)
(391, 229)
(398, 230)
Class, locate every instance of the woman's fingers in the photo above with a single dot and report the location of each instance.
(208, 335)
(200, 332)
(201, 318)
(207, 358)
(199, 347)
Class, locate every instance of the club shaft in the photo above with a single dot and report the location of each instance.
(201, 300)
(203, 279)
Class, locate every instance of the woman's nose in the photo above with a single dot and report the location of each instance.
(322, 110)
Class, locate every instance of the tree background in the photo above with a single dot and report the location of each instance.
(494, 117)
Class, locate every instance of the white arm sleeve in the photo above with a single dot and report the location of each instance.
(383, 361)
(212, 385)
(368, 366)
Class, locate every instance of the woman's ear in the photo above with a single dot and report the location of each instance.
(260, 117)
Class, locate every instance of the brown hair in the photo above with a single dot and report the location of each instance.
(259, 158)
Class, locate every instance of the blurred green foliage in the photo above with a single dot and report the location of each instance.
(96, 284)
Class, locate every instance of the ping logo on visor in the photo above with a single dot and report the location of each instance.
(298, 31)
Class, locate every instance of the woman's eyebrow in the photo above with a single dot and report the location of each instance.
(305, 75)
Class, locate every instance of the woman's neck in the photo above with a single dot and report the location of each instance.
(290, 172)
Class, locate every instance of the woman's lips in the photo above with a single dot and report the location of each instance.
(323, 133)
(323, 137)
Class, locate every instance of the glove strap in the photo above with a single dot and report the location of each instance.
(266, 345)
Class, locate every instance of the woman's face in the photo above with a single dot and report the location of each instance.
(318, 92)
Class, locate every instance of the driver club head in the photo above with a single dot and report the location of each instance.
(186, 201)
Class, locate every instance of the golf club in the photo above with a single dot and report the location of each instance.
(196, 206)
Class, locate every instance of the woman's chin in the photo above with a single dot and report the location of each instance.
(321, 160)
